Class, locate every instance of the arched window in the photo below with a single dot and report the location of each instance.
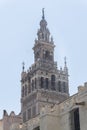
(35, 83)
(53, 82)
(42, 82)
(46, 83)
(59, 86)
(32, 85)
(25, 90)
(64, 87)
(47, 54)
(29, 88)
(29, 79)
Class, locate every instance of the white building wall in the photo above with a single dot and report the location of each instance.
(60, 117)
(1, 125)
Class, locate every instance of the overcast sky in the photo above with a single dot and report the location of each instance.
(19, 22)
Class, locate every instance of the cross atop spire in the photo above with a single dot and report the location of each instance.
(43, 17)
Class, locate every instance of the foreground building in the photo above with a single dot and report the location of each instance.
(45, 100)
(68, 115)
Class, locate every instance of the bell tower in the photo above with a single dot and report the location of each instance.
(44, 45)
(43, 83)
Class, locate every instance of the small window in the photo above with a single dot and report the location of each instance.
(47, 83)
(29, 79)
(24, 116)
(29, 113)
(59, 86)
(53, 82)
(35, 83)
(32, 85)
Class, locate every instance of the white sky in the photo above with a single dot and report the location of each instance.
(19, 21)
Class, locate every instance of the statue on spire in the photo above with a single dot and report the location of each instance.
(43, 17)
(23, 66)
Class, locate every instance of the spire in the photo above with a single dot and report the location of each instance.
(43, 33)
(65, 65)
(43, 17)
(23, 66)
(65, 61)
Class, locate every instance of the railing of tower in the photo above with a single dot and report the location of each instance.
(42, 64)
